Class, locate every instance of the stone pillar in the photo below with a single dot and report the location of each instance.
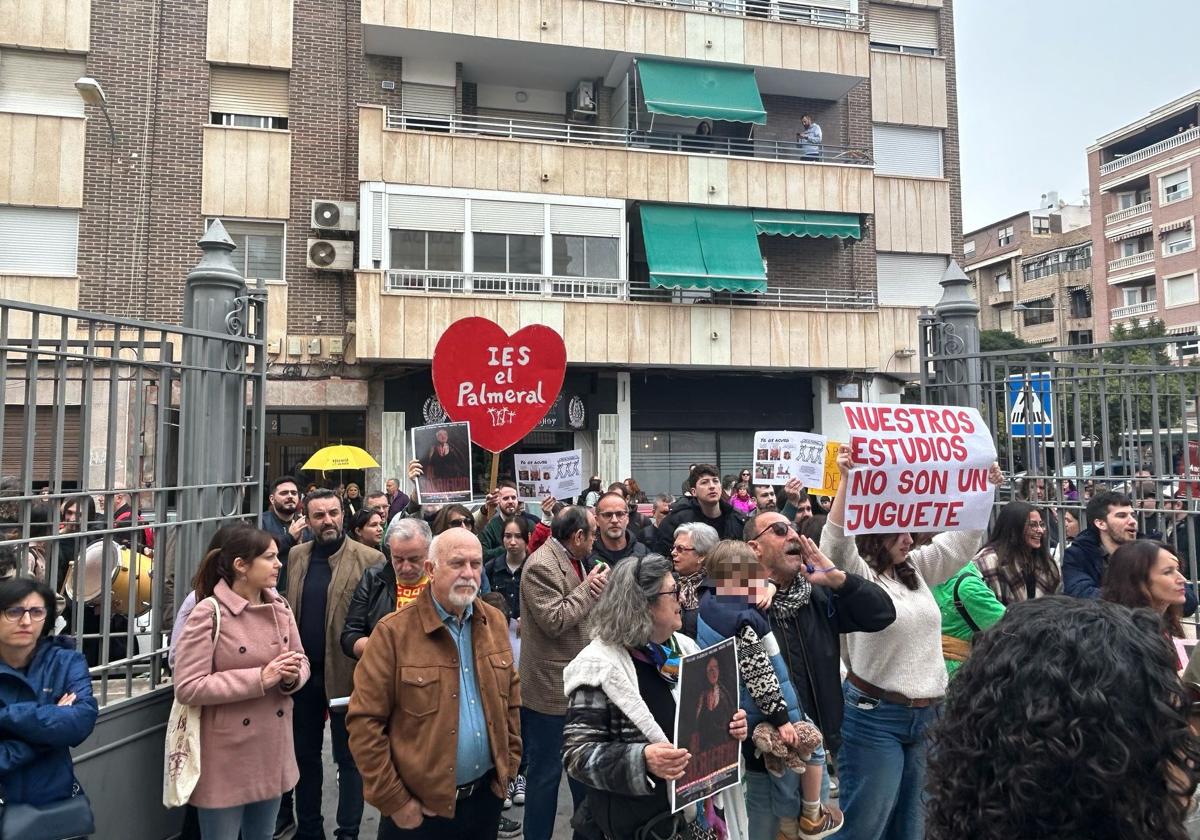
(958, 354)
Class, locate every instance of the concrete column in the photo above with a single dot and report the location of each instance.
(624, 428)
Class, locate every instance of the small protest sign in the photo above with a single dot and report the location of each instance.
(444, 450)
(781, 456)
(557, 474)
(831, 477)
(918, 468)
(708, 698)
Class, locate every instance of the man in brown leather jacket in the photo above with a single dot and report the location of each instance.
(435, 715)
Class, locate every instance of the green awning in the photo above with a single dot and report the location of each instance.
(702, 248)
(807, 223)
(701, 91)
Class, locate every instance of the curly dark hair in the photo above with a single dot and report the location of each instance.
(1127, 579)
(1068, 721)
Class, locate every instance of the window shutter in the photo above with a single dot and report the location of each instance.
(40, 83)
(427, 99)
(38, 241)
(585, 221)
(508, 217)
(426, 212)
(377, 225)
(909, 279)
(1175, 179)
(908, 151)
(904, 27)
(44, 443)
(237, 90)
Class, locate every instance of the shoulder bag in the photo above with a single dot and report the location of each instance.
(181, 758)
(67, 818)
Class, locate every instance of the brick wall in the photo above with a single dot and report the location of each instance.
(952, 162)
(804, 263)
(784, 113)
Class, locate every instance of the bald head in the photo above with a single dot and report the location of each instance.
(450, 541)
(455, 569)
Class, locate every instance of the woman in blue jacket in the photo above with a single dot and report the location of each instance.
(46, 702)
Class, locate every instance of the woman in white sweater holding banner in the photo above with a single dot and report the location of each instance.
(897, 676)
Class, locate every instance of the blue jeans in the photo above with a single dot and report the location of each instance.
(785, 799)
(255, 820)
(881, 768)
(542, 740)
(308, 732)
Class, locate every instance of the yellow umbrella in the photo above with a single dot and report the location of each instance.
(340, 457)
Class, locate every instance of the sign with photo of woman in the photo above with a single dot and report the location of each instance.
(708, 699)
(444, 450)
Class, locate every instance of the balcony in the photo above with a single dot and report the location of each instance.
(1131, 261)
(1146, 308)
(787, 11)
(1128, 213)
(1000, 298)
(1172, 142)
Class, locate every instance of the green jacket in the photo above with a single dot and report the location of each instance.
(977, 599)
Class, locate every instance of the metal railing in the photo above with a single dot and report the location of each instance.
(1134, 309)
(639, 139)
(1128, 213)
(579, 288)
(1140, 258)
(1150, 151)
(778, 10)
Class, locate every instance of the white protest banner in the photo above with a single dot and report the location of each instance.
(557, 474)
(781, 456)
(917, 468)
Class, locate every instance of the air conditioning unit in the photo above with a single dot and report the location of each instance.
(330, 254)
(334, 215)
(585, 97)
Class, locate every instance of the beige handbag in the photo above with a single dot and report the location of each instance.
(181, 757)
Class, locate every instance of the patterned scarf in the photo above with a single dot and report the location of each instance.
(663, 657)
(787, 602)
(687, 590)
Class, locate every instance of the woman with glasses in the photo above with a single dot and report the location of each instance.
(46, 703)
(622, 691)
(897, 676)
(693, 542)
(1016, 563)
(453, 516)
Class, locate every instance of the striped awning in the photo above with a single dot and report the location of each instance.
(1184, 329)
(1175, 225)
(1140, 230)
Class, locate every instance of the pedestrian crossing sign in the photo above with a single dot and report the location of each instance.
(1030, 405)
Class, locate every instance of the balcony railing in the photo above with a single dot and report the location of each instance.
(1136, 309)
(1128, 213)
(580, 288)
(1150, 151)
(780, 10)
(1130, 261)
(593, 135)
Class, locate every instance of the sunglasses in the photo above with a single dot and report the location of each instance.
(459, 523)
(779, 529)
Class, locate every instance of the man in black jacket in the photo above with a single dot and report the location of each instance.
(615, 540)
(704, 505)
(387, 586)
(808, 613)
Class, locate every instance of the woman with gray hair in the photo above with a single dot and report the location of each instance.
(693, 542)
(622, 690)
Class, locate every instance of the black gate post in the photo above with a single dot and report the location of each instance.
(956, 363)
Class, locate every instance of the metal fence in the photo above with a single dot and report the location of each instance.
(125, 445)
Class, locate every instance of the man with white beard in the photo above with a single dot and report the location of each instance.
(437, 748)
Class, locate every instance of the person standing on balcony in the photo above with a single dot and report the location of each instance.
(810, 138)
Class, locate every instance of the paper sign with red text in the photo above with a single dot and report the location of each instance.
(917, 468)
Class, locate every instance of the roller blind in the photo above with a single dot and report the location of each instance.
(508, 217)
(38, 241)
(237, 90)
(44, 442)
(40, 83)
(909, 279)
(427, 99)
(901, 27)
(908, 151)
(585, 221)
(426, 212)
(377, 225)
(1175, 178)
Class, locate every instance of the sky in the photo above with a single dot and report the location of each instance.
(1041, 80)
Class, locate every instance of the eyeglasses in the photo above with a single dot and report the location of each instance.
(459, 523)
(15, 614)
(779, 529)
(613, 514)
(673, 592)
(679, 549)
(1036, 526)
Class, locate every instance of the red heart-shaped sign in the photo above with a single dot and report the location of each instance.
(502, 385)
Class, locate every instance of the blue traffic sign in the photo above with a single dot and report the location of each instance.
(1030, 405)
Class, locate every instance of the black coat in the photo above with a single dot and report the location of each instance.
(811, 647)
(373, 599)
(728, 523)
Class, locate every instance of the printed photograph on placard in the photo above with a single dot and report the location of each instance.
(444, 450)
(557, 474)
(781, 456)
(708, 699)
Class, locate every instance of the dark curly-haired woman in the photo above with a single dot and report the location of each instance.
(1067, 721)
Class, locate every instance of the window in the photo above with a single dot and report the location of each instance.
(248, 121)
(1038, 312)
(38, 241)
(40, 83)
(259, 254)
(1187, 348)
(909, 279)
(1078, 259)
(1126, 200)
(900, 150)
(1137, 245)
(1081, 303)
(1139, 294)
(1178, 241)
(1041, 225)
(1176, 186)
(426, 250)
(1180, 289)
(586, 256)
(1004, 236)
(969, 248)
(904, 30)
(1003, 282)
(1006, 322)
(1079, 337)
(245, 98)
(508, 253)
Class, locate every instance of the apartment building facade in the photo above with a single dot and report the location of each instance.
(1144, 220)
(631, 174)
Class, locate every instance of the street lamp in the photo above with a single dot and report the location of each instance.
(92, 94)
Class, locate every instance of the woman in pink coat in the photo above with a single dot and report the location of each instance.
(241, 682)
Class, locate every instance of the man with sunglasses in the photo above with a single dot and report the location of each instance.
(815, 603)
(616, 540)
(704, 505)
